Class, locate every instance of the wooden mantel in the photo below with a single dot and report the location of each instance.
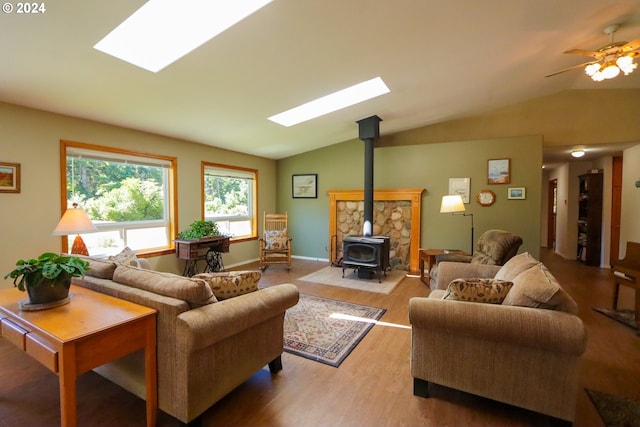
(414, 195)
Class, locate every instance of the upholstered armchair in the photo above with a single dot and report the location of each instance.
(494, 247)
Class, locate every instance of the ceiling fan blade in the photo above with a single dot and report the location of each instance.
(632, 45)
(583, 52)
(571, 68)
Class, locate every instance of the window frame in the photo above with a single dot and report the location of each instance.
(253, 204)
(172, 178)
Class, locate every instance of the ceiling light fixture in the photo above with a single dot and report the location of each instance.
(577, 153)
(616, 57)
(333, 102)
(162, 31)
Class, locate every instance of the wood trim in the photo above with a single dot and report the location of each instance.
(414, 195)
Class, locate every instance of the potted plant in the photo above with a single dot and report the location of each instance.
(47, 278)
(200, 229)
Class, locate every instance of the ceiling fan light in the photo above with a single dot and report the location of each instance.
(598, 76)
(626, 64)
(610, 70)
(591, 69)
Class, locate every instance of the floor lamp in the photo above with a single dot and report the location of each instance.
(453, 204)
(75, 221)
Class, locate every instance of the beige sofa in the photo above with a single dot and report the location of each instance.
(524, 351)
(206, 348)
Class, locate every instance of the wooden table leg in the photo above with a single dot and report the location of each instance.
(67, 380)
(151, 378)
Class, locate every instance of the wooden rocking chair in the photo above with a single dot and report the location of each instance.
(275, 245)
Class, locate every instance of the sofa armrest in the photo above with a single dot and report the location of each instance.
(448, 271)
(453, 257)
(204, 326)
(531, 327)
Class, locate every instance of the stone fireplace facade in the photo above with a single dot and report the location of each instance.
(396, 214)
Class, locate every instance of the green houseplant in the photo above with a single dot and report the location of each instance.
(48, 277)
(199, 229)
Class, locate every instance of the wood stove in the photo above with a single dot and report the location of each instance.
(366, 255)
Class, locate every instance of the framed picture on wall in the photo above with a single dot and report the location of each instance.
(9, 177)
(304, 186)
(460, 186)
(517, 193)
(498, 171)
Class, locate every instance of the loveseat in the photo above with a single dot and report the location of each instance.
(205, 347)
(507, 333)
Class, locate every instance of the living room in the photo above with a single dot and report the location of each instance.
(526, 131)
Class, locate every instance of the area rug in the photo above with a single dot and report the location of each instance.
(616, 410)
(626, 317)
(333, 276)
(327, 330)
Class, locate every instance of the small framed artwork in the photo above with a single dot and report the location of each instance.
(460, 186)
(304, 186)
(498, 171)
(517, 193)
(9, 177)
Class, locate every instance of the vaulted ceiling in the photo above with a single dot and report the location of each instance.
(442, 60)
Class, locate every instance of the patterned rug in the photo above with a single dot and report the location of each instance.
(327, 330)
(333, 276)
(616, 410)
(626, 317)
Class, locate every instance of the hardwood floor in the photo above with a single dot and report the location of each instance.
(372, 387)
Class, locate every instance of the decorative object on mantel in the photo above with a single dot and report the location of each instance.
(304, 186)
(517, 193)
(9, 177)
(453, 204)
(498, 171)
(75, 221)
(46, 279)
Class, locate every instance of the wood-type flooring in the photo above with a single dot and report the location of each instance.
(372, 387)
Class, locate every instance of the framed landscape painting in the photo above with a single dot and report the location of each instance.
(9, 177)
(498, 171)
(304, 186)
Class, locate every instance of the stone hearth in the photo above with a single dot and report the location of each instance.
(396, 214)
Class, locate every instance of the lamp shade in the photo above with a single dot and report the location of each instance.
(74, 221)
(452, 204)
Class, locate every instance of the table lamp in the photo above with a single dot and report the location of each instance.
(453, 204)
(75, 221)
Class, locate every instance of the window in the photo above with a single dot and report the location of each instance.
(229, 199)
(129, 197)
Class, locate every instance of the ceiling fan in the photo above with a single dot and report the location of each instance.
(609, 59)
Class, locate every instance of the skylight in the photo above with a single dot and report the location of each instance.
(333, 102)
(163, 31)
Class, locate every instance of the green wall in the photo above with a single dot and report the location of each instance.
(427, 166)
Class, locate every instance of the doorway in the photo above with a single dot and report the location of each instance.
(552, 211)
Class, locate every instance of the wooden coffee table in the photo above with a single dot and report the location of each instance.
(429, 255)
(89, 331)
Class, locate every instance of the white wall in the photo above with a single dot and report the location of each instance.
(630, 218)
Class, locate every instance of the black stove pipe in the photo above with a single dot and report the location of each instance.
(369, 131)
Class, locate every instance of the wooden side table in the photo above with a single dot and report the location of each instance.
(429, 255)
(89, 331)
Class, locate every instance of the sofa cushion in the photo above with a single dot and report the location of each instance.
(194, 291)
(490, 291)
(126, 257)
(536, 287)
(230, 284)
(276, 239)
(515, 266)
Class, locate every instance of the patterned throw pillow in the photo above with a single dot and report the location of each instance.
(490, 291)
(126, 257)
(276, 239)
(230, 284)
